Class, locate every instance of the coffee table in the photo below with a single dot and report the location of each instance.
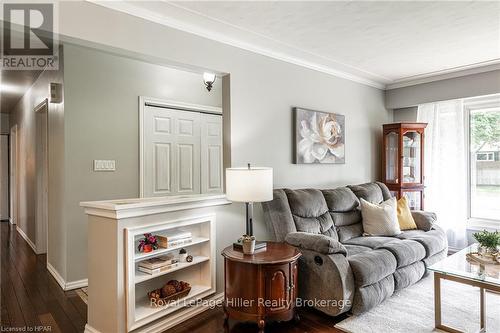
(459, 269)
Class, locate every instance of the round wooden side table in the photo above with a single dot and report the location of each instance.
(262, 286)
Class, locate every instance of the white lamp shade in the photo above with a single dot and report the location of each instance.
(249, 185)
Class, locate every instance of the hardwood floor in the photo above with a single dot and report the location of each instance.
(30, 297)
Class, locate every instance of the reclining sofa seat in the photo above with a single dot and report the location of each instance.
(340, 266)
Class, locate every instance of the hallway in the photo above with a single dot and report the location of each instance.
(29, 294)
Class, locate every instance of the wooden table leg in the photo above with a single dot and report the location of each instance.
(482, 307)
(437, 300)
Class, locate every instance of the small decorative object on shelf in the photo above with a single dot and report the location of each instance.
(171, 291)
(148, 244)
(488, 243)
(183, 255)
(189, 258)
(248, 244)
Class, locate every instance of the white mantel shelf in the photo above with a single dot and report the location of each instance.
(126, 208)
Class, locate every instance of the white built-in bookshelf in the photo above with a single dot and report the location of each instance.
(200, 273)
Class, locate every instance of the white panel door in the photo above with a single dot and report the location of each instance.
(211, 154)
(171, 152)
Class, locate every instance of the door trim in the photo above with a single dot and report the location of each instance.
(13, 175)
(145, 101)
(42, 110)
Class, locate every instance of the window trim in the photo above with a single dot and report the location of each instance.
(470, 105)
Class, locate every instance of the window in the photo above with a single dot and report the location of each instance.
(484, 169)
(485, 156)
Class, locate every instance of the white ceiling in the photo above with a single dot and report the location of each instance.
(377, 43)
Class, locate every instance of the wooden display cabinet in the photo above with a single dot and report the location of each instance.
(403, 161)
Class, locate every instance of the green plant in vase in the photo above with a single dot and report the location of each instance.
(488, 241)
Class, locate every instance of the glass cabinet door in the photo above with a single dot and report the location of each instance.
(412, 144)
(391, 157)
(414, 199)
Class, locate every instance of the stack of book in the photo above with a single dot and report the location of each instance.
(157, 264)
(175, 238)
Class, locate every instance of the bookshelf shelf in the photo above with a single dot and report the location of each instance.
(144, 310)
(142, 277)
(142, 256)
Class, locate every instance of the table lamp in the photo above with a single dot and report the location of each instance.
(249, 185)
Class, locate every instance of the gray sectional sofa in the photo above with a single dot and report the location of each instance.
(341, 267)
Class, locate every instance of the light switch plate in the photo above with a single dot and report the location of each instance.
(104, 165)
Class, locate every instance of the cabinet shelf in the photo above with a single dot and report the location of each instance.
(142, 256)
(143, 308)
(142, 277)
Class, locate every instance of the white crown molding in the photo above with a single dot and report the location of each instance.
(148, 15)
(451, 73)
(288, 53)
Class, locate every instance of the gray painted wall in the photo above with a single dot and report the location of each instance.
(461, 87)
(262, 93)
(102, 122)
(406, 114)
(4, 123)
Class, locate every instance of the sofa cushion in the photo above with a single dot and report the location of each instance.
(406, 252)
(355, 249)
(371, 241)
(349, 231)
(408, 275)
(408, 234)
(371, 266)
(435, 258)
(370, 296)
(434, 241)
(306, 203)
(340, 200)
(310, 212)
(371, 192)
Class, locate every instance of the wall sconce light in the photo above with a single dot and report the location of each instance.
(209, 79)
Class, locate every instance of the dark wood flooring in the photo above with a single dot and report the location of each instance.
(30, 297)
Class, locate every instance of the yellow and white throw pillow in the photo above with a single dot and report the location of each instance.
(380, 220)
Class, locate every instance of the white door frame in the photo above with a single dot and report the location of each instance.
(14, 202)
(41, 176)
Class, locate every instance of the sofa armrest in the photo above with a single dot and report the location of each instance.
(315, 242)
(424, 220)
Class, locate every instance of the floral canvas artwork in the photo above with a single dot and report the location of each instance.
(320, 137)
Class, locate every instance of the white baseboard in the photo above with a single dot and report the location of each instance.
(90, 329)
(56, 275)
(26, 238)
(77, 284)
(66, 285)
(161, 325)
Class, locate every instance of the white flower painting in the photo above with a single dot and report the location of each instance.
(320, 137)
